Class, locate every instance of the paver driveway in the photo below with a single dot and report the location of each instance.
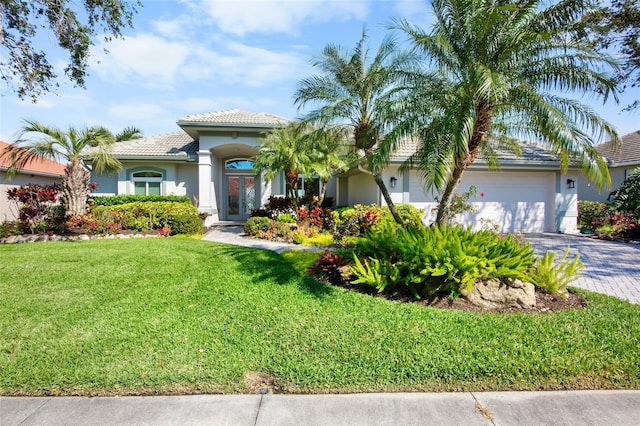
(610, 268)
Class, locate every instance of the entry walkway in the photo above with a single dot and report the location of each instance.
(610, 268)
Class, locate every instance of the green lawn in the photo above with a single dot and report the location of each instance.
(176, 315)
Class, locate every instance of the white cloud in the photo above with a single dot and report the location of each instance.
(280, 16)
(134, 112)
(153, 60)
(160, 64)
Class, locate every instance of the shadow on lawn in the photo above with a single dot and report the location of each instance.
(265, 264)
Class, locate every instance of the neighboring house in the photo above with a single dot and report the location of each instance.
(43, 172)
(622, 161)
(210, 161)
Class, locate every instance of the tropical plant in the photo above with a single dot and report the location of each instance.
(499, 69)
(554, 277)
(330, 153)
(361, 94)
(627, 197)
(284, 149)
(66, 146)
(128, 133)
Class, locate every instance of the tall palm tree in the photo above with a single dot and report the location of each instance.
(66, 146)
(502, 68)
(284, 149)
(361, 93)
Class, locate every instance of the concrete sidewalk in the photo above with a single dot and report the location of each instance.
(478, 408)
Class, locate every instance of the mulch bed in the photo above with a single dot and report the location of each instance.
(545, 302)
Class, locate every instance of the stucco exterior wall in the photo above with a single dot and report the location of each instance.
(588, 191)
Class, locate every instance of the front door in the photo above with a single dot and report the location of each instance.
(241, 197)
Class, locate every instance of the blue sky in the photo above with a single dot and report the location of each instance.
(195, 56)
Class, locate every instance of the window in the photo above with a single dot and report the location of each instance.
(147, 183)
(239, 164)
(307, 186)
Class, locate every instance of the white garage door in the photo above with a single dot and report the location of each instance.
(515, 201)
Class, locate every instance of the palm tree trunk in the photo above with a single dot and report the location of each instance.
(323, 192)
(76, 187)
(387, 197)
(484, 115)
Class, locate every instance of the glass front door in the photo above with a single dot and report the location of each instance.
(241, 197)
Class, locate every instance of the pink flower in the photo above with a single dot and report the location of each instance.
(482, 194)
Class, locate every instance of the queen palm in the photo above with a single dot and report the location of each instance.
(502, 69)
(359, 92)
(66, 145)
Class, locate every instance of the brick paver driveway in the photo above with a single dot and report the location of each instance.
(610, 268)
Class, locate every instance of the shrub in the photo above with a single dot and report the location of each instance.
(355, 221)
(255, 224)
(555, 277)
(627, 197)
(429, 260)
(35, 204)
(322, 240)
(286, 218)
(8, 229)
(182, 218)
(620, 224)
(114, 200)
(592, 214)
(328, 265)
(411, 216)
(459, 203)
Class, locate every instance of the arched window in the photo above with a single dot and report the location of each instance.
(239, 164)
(147, 183)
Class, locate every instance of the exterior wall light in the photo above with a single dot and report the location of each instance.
(571, 184)
(393, 181)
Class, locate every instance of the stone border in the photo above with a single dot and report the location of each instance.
(18, 239)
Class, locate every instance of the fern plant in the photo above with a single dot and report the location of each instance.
(555, 277)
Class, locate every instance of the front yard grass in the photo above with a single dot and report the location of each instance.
(168, 315)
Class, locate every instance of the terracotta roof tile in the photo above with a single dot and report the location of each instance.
(628, 152)
(42, 165)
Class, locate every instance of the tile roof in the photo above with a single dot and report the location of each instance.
(236, 117)
(628, 152)
(40, 166)
(530, 153)
(177, 145)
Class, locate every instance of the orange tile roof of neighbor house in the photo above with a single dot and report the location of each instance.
(39, 166)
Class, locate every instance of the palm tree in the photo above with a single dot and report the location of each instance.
(284, 149)
(66, 146)
(361, 93)
(128, 133)
(502, 67)
(331, 152)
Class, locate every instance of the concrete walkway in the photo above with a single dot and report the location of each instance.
(619, 408)
(610, 268)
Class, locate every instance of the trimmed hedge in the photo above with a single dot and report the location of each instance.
(182, 218)
(114, 200)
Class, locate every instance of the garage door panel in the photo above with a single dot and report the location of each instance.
(515, 201)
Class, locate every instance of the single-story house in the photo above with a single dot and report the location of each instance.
(622, 161)
(209, 160)
(40, 171)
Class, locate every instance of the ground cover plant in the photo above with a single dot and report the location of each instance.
(151, 316)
